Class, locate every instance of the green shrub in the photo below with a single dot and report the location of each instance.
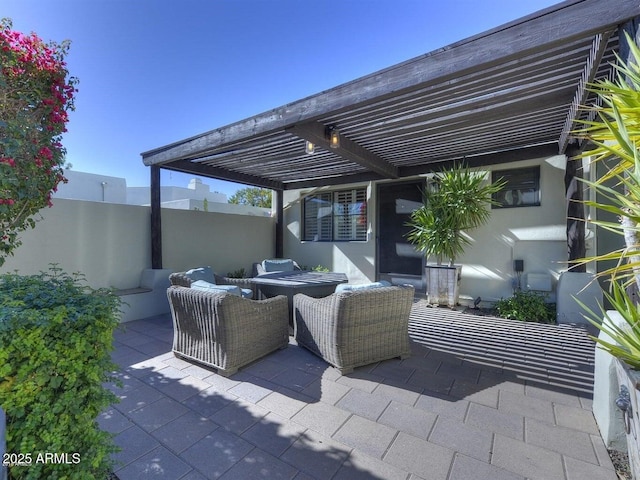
(526, 307)
(56, 336)
(240, 273)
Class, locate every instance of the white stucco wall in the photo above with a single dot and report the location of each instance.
(533, 234)
(224, 242)
(356, 259)
(111, 243)
(92, 187)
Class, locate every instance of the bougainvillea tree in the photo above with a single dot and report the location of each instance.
(36, 94)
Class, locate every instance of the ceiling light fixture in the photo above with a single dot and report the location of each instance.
(309, 147)
(333, 136)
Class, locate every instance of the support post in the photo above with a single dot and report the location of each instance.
(279, 223)
(156, 224)
(576, 246)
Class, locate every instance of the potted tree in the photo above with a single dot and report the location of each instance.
(616, 137)
(455, 201)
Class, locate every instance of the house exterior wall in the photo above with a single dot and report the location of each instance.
(537, 235)
(111, 243)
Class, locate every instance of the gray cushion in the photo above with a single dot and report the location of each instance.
(212, 287)
(278, 265)
(201, 273)
(345, 287)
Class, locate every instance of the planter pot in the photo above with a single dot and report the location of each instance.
(443, 284)
(627, 401)
(574, 287)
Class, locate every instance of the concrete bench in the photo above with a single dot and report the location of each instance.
(148, 299)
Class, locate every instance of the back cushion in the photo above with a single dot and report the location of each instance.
(211, 287)
(278, 265)
(201, 273)
(345, 287)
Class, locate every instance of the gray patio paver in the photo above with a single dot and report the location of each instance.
(158, 463)
(462, 438)
(366, 436)
(577, 418)
(260, 464)
(530, 461)
(455, 410)
(239, 415)
(421, 457)
(360, 466)
(217, 452)
(563, 440)
(414, 421)
(466, 468)
(274, 434)
(513, 403)
(322, 418)
(364, 404)
(317, 455)
(192, 427)
(579, 470)
(483, 417)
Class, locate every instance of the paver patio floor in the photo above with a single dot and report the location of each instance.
(480, 398)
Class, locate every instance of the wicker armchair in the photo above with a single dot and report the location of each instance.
(182, 279)
(225, 331)
(354, 328)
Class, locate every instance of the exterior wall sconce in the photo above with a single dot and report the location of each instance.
(333, 136)
(309, 147)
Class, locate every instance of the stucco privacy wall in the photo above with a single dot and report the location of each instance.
(111, 243)
(223, 241)
(533, 234)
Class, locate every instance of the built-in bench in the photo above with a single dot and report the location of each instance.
(148, 299)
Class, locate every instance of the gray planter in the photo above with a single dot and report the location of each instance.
(443, 284)
(627, 401)
(574, 287)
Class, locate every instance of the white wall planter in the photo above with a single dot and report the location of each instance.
(443, 284)
(574, 287)
(627, 401)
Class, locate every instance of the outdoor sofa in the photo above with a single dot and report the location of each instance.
(225, 331)
(207, 279)
(356, 325)
(271, 265)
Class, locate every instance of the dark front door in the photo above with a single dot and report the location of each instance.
(397, 260)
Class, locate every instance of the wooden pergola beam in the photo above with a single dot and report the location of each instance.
(591, 66)
(315, 133)
(534, 33)
(200, 168)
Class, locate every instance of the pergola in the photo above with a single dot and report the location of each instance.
(511, 93)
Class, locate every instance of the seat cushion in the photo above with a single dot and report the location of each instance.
(278, 265)
(212, 287)
(201, 273)
(346, 287)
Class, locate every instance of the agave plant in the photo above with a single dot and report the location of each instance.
(625, 343)
(456, 201)
(616, 135)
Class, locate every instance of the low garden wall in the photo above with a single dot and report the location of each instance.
(110, 244)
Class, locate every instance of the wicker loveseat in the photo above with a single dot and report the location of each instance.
(226, 331)
(353, 328)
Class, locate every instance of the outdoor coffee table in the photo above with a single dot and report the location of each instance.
(313, 284)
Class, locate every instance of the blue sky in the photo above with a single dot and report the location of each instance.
(153, 72)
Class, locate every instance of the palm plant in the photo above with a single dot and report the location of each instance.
(456, 201)
(616, 134)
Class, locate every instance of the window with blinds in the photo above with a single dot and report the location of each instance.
(522, 188)
(339, 216)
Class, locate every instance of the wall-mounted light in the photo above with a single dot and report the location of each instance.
(309, 147)
(334, 137)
